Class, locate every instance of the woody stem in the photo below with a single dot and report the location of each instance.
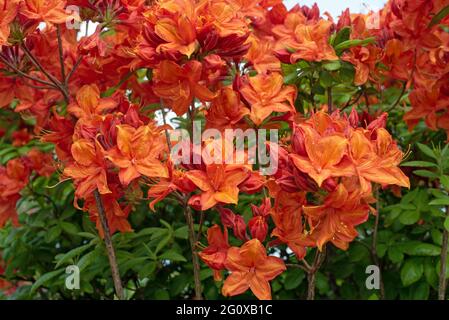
(61, 52)
(109, 247)
(329, 100)
(195, 260)
(374, 256)
(311, 276)
(50, 77)
(444, 247)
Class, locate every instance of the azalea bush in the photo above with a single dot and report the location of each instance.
(104, 167)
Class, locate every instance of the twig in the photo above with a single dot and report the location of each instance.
(45, 72)
(352, 102)
(195, 260)
(329, 100)
(373, 249)
(442, 279)
(61, 52)
(293, 265)
(75, 66)
(200, 230)
(109, 247)
(23, 74)
(311, 277)
(404, 87)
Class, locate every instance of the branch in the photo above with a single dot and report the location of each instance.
(373, 249)
(75, 66)
(195, 260)
(320, 256)
(61, 52)
(109, 247)
(23, 74)
(352, 102)
(404, 87)
(46, 73)
(329, 100)
(442, 279)
(293, 265)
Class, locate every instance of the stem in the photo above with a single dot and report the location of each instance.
(195, 260)
(442, 282)
(352, 102)
(46, 73)
(23, 74)
(109, 247)
(329, 100)
(373, 250)
(401, 95)
(75, 66)
(61, 52)
(311, 276)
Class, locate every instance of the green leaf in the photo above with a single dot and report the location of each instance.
(395, 254)
(421, 291)
(426, 174)
(45, 278)
(294, 278)
(354, 43)
(429, 272)
(422, 249)
(182, 233)
(421, 164)
(147, 269)
(326, 79)
(411, 272)
(69, 227)
(342, 35)
(172, 256)
(427, 151)
(440, 202)
(409, 217)
(439, 16)
(53, 234)
(332, 65)
(72, 253)
(445, 181)
(446, 224)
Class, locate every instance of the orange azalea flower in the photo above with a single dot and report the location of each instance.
(137, 153)
(177, 181)
(261, 56)
(88, 103)
(308, 40)
(13, 179)
(49, 11)
(8, 210)
(8, 12)
(364, 59)
(178, 86)
(224, 16)
(376, 160)
(251, 268)
(215, 254)
(324, 155)
(287, 217)
(267, 94)
(219, 184)
(179, 34)
(226, 111)
(89, 169)
(336, 219)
